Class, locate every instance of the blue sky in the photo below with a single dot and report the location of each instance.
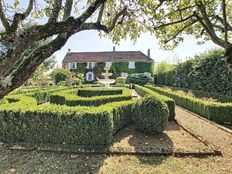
(90, 41)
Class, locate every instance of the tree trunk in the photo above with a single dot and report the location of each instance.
(228, 57)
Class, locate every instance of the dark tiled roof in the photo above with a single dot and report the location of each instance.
(117, 56)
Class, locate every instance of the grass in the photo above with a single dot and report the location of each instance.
(47, 162)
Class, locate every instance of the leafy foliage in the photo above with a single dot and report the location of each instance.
(71, 99)
(140, 78)
(206, 72)
(148, 89)
(61, 75)
(152, 115)
(215, 111)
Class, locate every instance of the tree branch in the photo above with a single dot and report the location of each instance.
(35, 33)
(55, 11)
(175, 22)
(106, 29)
(99, 18)
(207, 24)
(4, 20)
(229, 27)
(18, 17)
(178, 32)
(18, 75)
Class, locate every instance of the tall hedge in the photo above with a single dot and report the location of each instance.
(206, 72)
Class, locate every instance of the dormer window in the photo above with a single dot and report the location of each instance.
(131, 65)
(90, 65)
(72, 65)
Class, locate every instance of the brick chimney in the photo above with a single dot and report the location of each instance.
(69, 51)
(148, 53)
(113, 48)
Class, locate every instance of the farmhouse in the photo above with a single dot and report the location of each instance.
(120, 63)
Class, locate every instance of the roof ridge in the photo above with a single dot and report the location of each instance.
(102, 52)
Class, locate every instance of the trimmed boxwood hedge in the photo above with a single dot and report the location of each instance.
(90, 92)
(152, 115)
(215, 111)
(22, 120)
(202, 94)
(170, 102)
(69, 99)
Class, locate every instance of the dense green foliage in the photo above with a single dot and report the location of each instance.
(140, 67)
(200, 94)
(170, 102)
(152, 115)
(61, 75)
(90, 92)
(206, 72)
(140, 78)
(22, 119)
(69, 98)
(117, 68)
(215, 111)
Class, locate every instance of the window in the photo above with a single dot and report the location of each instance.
(108, 64)
(90, 65)
(89, 76)
(72, 65)
(131, 65)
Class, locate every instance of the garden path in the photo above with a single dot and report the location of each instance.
(135, 95)
(211, 133)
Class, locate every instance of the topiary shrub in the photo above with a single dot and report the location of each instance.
(139, 78)
(151, 115)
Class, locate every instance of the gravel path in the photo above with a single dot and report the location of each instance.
(135, 95)
(216, 137)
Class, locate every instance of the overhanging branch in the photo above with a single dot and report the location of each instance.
(4, 20)
(18, 17)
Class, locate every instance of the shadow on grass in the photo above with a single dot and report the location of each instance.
(143, 145)
(12, 161)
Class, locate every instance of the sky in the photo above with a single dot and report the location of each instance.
(90, 41)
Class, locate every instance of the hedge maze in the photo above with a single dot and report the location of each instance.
(82, 116)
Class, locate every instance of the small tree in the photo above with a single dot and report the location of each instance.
(61, 75)
(40, 77)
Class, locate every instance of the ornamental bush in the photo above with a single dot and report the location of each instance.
(69, 98)
(140, 78)
(90, 92)
(206, 72)
(215, 111)
(148, 89)
(22, 120)
(152, 115)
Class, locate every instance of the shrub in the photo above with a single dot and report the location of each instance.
(89, 92)
(215, 111)
(152, 115)
(120, 81)
(60, 75)
(205, 72)
(61, 124)
(140, 78)
(170, 102)
(74, 100)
